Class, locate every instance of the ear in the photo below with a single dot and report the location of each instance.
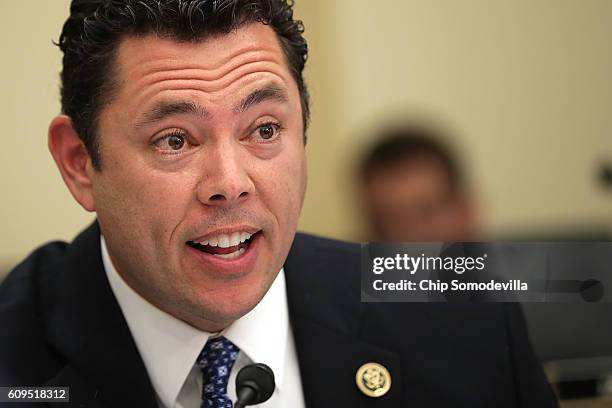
(72, 159)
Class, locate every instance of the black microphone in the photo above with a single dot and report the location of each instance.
(254, 385)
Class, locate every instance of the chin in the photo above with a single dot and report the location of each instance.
(226, 305)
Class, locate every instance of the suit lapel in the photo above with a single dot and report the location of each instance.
(87, 328)
(327, 318)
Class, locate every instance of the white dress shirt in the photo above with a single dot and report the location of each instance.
(169, 347)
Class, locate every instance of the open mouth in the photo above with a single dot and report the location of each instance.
(226, 246)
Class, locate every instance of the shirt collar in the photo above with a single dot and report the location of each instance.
(169, 347)
(262, 333)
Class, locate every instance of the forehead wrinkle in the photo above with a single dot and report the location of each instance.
(151, 48)
(206, 87)
(180, 69)
(171, 80)
(170, 58)
(149, 71)
(197, 75)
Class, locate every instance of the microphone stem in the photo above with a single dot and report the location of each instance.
(244, 397)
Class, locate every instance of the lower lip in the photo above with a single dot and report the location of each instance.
(244, 263)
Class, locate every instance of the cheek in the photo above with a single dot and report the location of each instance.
(289, 181)
(280, 185)
(146, 204)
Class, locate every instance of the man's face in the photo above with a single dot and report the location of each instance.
(201, 148)
(413, 201)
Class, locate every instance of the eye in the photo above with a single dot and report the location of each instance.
(172, 143)
(268, 131)
(176, 142)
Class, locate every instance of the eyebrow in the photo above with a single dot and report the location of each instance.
(165, 109)
(267, 93)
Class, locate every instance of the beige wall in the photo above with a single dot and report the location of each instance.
(525, 84)
(35, 207)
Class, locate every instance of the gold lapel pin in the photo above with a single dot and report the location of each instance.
(373, 380)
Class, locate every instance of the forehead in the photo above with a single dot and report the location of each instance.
(149, 65)
(416, 178)
(422, 167)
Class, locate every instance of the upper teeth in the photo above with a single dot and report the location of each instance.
(227, 240)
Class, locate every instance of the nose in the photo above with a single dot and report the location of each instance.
(225, 179)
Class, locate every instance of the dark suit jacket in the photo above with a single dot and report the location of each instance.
(61, 326)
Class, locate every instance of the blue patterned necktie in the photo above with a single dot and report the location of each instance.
(216, 361)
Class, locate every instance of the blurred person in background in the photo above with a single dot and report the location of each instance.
(413, 188)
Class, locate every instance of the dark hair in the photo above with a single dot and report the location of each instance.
(91, 35)
(407, 143)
